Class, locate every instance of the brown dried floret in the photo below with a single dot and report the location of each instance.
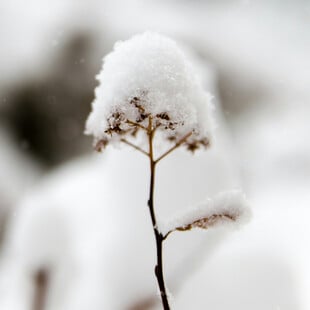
(136, 102)
(101, 144)
(115, 121)
(163, 120)
(194, 145)
(172, 138)
(164, 116)
(207, 222)
(134, 131)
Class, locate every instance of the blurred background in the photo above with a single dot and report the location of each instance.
(58, 211)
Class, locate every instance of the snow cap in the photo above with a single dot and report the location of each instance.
(149, 77)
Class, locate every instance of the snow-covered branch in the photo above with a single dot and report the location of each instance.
(230, 207)
(149, 76)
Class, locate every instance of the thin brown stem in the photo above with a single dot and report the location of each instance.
(180, 142)
(136, 124)
(134, 146)
(158, 236)
(167, 234)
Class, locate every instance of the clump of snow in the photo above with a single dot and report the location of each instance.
(149, 76)
(39, 238)
(230, 207)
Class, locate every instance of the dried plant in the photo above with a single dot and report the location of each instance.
(153, 123)
(147, 88)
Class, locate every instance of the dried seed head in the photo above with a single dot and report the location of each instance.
(206, 222)
(229, 207)
(148, 75)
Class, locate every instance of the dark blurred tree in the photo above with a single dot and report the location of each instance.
(47, 115)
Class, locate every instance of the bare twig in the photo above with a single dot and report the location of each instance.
(134, 146)
(203, 223)
(206, 222)
(180, 142)
(135, 124)
(158, 236)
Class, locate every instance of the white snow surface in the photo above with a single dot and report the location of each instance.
(20, 167)
(89, 224)
(232, 203)
(153, 68)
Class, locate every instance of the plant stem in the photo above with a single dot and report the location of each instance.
(135, 147)
(158, 236)
(40, 291)
(135, 124)
(180, 142)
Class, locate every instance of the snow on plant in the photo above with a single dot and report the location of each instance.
(148, 88)
(148, 78)
(228, 207)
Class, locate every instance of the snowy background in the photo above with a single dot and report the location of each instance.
(82, 217)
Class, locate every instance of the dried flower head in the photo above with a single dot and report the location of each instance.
(230, 207)
(149, 78)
